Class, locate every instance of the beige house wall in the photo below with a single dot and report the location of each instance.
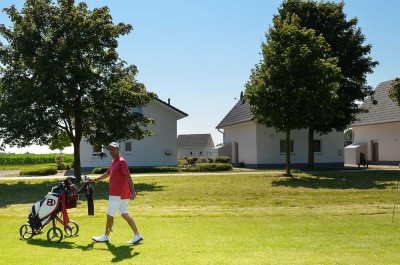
(387, 135)
(158, 150)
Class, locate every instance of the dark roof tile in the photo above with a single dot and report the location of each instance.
(385, 111)
(238, 114)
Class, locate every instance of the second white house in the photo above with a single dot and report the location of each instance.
(258, 146)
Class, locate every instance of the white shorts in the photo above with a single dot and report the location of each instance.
(115, 203)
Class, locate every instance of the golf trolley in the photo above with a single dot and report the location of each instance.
(53, 208)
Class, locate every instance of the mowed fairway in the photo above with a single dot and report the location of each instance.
(321, 218)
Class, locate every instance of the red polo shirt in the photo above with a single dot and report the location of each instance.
(119, 185)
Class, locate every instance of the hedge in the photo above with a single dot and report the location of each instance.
(206, 167)
(102, 170)
(41, 171)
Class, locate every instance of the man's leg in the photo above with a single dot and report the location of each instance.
(131, 223)
(109, 225)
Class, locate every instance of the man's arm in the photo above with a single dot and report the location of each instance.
(104, 176)
(131, 186)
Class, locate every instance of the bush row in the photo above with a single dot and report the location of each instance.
(194, 160)
(206, 167)
(31, 159)
(102, 170)
(197, 168)
(40, 171)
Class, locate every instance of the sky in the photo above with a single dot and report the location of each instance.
(199, 53)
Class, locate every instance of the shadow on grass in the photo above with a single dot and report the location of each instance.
(120, 253)
(342, 180)
(25, 192)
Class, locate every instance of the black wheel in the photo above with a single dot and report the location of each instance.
(54, 234)
(26, 231)
(72, 229)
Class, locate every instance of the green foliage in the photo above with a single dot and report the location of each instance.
(60, 140)
(294, 86)
(394, 92)
(61, 71)
(346, 43)
(40, 171)
(133, 170)
(222, 159)
(24, 159)
(191, 161)
(209, 167)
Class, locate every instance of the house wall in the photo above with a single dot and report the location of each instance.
(388, 137)
(269, 147)
(245, 136)
(259, 146)
(150, 151)
(195, 152)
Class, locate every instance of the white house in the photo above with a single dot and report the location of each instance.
(378, 130)
(258, 146)
(157, 150)
(195, 145)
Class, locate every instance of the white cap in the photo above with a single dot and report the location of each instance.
(113, 144)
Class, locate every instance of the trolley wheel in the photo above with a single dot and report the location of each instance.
(72, 229)
(54, 234)
(26, 231)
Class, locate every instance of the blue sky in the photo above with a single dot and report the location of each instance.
(199, 53)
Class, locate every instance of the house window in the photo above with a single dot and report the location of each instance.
(191, 153)
(128, 147)
(282, 146)
(96, 150)
(201, 153)
(317, 146)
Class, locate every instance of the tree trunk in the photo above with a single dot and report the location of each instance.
(77, 151)
(310, 164)
(77, 161)
(287, 169)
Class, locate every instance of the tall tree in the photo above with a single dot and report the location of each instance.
(60, 71)
(346, 42)
(294, 82)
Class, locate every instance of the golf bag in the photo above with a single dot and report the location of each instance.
(53, 208)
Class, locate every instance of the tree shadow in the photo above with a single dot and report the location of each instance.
(24, 191)
(120, 253)
(342, 180)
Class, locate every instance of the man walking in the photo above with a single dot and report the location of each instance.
(121, 189)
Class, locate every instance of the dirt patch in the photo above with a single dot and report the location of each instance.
(9, 173)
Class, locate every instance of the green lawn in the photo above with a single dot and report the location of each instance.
(325, 218)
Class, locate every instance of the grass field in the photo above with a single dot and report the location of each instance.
(324, 218)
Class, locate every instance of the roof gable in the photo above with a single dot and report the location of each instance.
(179, 114)
(194, 140)
(238, 114)
(385, 111)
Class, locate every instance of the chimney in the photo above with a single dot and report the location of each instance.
(169, 101)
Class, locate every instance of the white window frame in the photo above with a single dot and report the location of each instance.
(131, 151)
(95, 153)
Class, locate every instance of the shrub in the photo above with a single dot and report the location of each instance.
(222, 159)
(191, 160)
(40, 171)
(207, 167)
(102, 170)
(210, 160)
